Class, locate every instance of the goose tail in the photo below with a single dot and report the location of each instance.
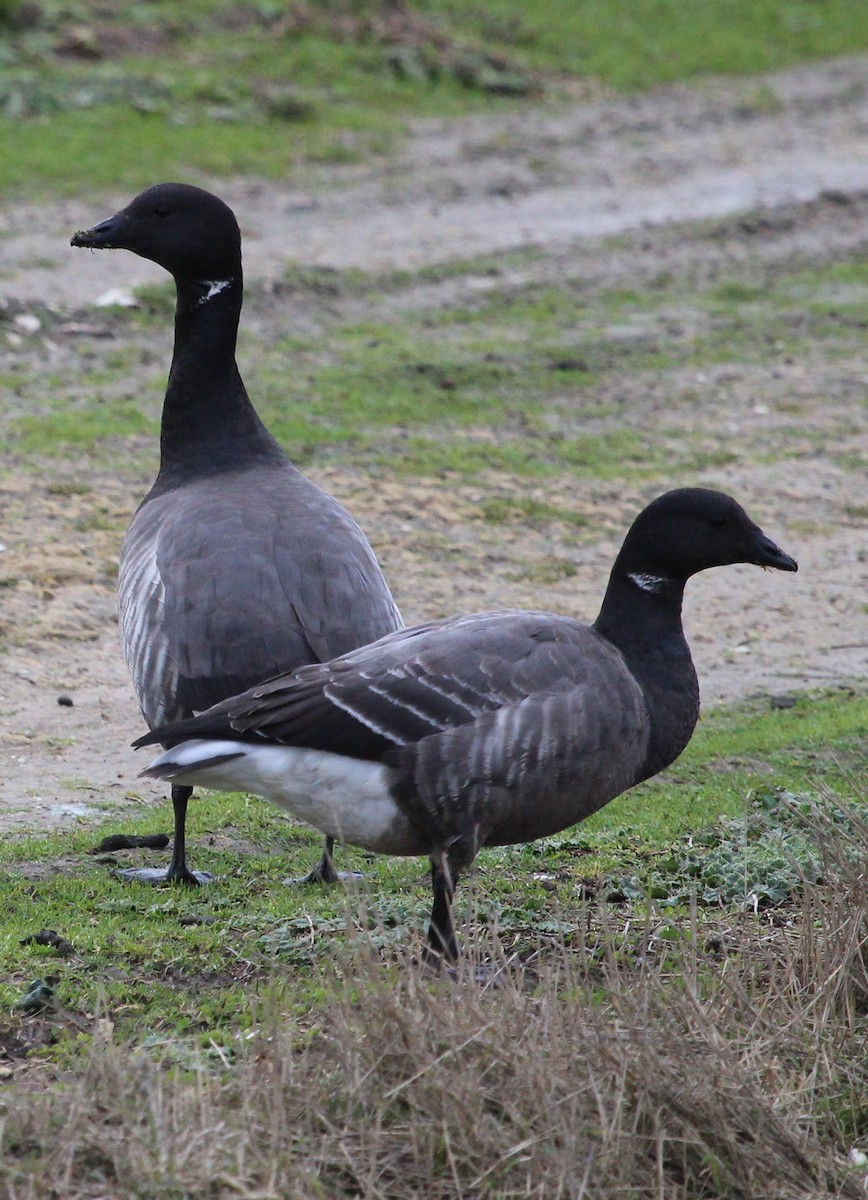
(189, 757)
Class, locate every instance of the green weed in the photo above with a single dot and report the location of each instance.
(527, 382)
(55, 433)
(528, 510)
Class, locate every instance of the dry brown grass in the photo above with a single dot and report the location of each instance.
(603, 1068)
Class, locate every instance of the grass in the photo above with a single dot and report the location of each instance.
(529, 511)
(528, 381)
(295, 1023)
(647, 42)
(56, 433)
(112, 96)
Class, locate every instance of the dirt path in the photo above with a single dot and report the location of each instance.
(484, 184)
(794, 145)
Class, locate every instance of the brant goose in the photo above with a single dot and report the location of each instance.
(235, 566)
(482, 730)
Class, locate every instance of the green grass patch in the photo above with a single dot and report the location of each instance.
(606, 456)
(503, 510)
(747, 747)
(116, 96)
(528, 381)
(637, 43)
(514, 383)
(533, 380)
(56, 433)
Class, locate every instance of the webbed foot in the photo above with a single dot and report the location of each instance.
(155, 876)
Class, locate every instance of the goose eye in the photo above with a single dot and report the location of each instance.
(718, 522)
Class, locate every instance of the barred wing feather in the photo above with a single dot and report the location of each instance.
(413, 684)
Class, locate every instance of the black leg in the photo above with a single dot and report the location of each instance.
(324, 871)
(442, 942)
(178, 871)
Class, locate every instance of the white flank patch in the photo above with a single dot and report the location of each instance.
(348, 798)
(215, 287)
(648, 583)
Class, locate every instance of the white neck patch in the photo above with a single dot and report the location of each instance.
(215, 287)
(648, 583)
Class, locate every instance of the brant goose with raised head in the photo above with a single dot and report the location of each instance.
(235, 566)
(482, 730)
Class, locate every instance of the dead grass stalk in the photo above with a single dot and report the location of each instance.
(586, 1073)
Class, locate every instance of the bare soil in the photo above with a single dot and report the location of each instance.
(673, 173)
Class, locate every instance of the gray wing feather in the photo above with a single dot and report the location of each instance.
(422, 682)
(237, 578)
(534, 767)
(141, 601)
(415, 682)
(448, 675)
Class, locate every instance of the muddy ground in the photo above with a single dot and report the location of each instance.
(672, 173)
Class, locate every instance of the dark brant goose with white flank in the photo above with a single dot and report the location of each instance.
(482, 730)
(235, 566)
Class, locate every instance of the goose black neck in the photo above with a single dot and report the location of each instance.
(209, 424)
(641, 616)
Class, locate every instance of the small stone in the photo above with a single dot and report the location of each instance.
(569, 364)
(38, 998)
(27, 323)
(116, 297)
(784, 700)
(65, 701)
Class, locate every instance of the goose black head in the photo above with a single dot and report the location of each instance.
(691, 529)
(184, 229)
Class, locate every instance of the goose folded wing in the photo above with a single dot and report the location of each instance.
(328, 573)
(530, 768)
(405, 687)
(420, 681)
